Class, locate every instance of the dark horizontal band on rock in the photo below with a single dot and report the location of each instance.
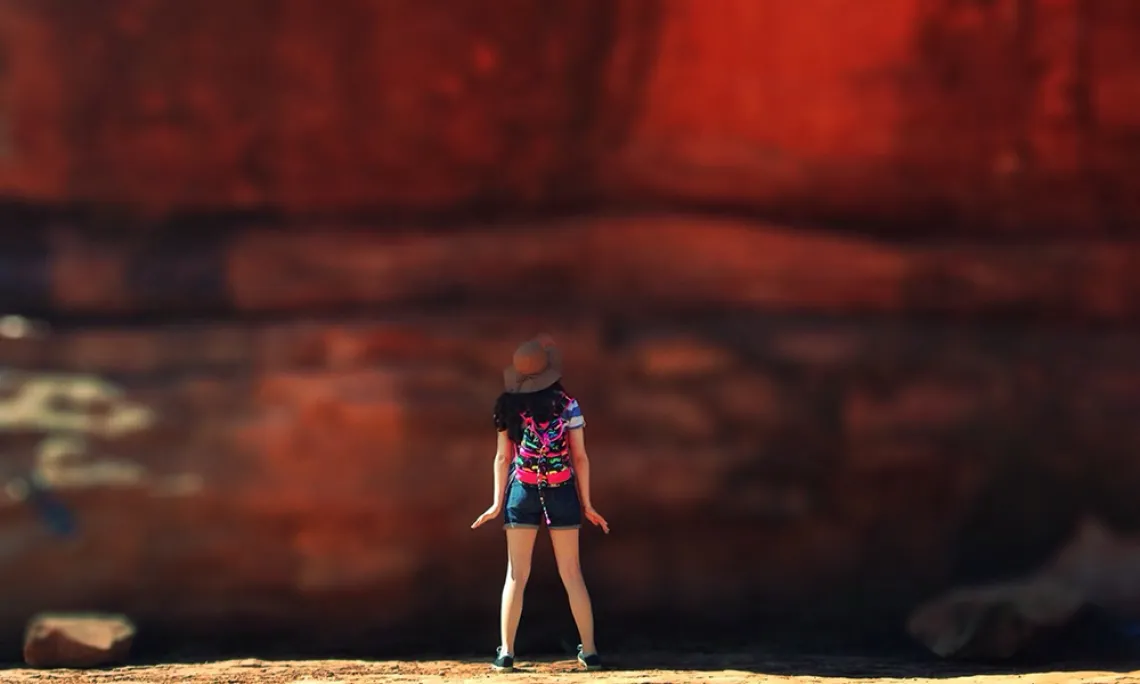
(653, 263)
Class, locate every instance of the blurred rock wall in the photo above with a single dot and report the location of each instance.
(1011, 117)
(857, 285)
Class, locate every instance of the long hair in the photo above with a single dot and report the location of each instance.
(543, 406)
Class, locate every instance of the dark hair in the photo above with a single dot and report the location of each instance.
(543, 406)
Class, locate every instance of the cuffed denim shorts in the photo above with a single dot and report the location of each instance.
(525, 504)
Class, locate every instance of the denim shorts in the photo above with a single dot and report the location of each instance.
(524, 506)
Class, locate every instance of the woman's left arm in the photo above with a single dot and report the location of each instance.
(503, 454)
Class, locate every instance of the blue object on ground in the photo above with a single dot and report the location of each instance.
(53, 512)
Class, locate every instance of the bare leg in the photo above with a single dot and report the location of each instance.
(565, 544)
(520, 548)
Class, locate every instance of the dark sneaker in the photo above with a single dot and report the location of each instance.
(591, 662)
(504, 662)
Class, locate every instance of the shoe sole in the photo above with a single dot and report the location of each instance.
(501, 668)
(589, 668)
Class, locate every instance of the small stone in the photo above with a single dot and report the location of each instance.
(77, 641)
(683, 358)
(666, 413)
(817, 347)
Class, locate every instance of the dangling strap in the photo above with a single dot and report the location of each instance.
(542, 502)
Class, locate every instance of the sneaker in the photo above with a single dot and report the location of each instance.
(504, 662)
(591, 662)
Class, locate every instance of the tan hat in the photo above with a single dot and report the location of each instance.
(537, 364)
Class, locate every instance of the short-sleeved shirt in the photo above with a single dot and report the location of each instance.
(572, 414)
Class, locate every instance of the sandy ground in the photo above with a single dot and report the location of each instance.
(627, 670)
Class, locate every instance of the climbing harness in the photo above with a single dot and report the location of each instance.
(543, 457)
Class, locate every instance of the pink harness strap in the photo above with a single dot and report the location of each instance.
(532, 478)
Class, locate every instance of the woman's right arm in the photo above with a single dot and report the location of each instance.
(582, 477)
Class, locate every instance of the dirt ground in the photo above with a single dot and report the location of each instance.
(707, 669)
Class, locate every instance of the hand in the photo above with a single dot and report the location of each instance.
(489, 514)
(596, 518)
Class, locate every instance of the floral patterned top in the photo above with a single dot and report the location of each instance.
(543, 456)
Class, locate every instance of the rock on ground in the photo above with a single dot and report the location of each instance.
(993, 622)
(77, 641)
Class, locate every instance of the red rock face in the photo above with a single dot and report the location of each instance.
(281, 475)
(266, 384)
(1013, 117)
(285, 103)
(962, 117)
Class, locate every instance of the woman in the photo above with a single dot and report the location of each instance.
(542, 474)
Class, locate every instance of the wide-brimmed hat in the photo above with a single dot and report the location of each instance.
(537, 364)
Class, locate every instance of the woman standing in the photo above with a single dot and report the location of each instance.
(542, 474)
